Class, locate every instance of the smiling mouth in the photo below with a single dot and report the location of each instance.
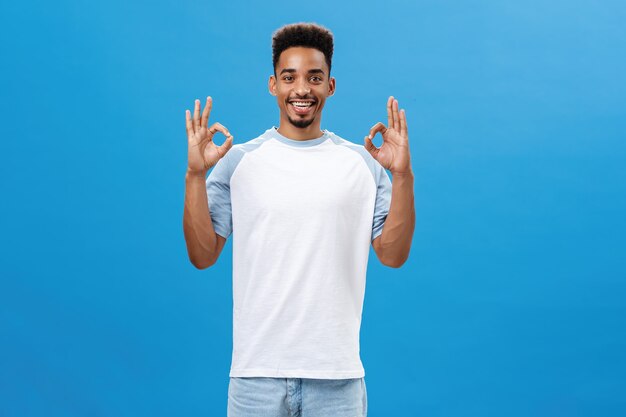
(302, 106)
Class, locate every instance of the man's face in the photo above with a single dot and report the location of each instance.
(301, 85)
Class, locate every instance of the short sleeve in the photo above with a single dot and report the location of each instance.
(383, 200)
(218, 194)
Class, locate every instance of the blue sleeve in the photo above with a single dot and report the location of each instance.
(383, 200)
(218, 194)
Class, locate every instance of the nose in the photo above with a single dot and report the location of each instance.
(302, 88)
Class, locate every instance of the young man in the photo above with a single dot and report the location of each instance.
(303, 206)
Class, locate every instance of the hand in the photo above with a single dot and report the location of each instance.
(393, 154)
(203, 153)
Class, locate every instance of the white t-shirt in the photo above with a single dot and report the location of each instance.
(302, 215)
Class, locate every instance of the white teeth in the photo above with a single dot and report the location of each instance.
(301, 103)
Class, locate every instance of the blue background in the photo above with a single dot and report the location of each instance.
(512, 301)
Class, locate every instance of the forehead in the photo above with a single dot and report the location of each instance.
(301, 58)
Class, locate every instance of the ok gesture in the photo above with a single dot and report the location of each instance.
(393, 154)
(203, 153)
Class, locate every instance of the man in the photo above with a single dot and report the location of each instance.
(303, 206)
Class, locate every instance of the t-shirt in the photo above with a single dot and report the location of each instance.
(302, 215)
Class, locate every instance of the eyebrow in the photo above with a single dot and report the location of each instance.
(311, 71)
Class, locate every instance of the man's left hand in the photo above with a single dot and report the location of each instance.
(393, 154)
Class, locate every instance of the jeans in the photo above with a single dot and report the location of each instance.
(296, 397)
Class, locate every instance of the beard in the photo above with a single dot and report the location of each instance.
(301, 123)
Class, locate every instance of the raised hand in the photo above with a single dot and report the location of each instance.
(393, 154)
(203, 153)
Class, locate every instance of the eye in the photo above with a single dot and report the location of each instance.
(287, 78)
(316, 79)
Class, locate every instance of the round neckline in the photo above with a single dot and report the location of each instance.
(299, 143)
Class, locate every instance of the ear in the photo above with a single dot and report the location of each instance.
(331, 86)
(271, 85)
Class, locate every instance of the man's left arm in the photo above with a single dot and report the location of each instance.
(393, 245)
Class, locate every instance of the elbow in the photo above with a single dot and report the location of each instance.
(202, 263)
(201, 266)
(392, 253)
(394, 261)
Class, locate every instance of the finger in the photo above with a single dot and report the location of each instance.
(396, 117)
(196, 115)
(217, 127)
(225, 147)
(378, 127)
(370, 147)
(207, 110)
(188, 123)
(403, 127)
(389, 115)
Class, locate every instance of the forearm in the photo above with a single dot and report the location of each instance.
(198, 228)
(399, 225)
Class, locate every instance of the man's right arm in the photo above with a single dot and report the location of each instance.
(203, 244)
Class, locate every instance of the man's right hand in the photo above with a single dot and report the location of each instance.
(203, 153)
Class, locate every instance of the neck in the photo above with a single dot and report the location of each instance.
(288, 130)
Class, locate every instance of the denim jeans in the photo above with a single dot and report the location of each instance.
(296, 397)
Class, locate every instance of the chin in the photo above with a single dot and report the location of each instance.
(302, 123)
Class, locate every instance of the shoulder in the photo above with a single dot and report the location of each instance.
(239, 150)
(252, 144)
(373, 165)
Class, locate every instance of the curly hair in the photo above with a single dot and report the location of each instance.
(309, 35)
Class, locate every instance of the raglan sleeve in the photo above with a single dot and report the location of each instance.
(218, 194)
(383, 199)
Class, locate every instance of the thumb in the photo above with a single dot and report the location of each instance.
(225, 147)
(371, 148)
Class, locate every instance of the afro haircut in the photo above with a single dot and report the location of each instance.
(309, 35)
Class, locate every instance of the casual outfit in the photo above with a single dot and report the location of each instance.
(302, 215)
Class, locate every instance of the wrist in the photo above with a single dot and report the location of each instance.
(403, 174)
(191, 173)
